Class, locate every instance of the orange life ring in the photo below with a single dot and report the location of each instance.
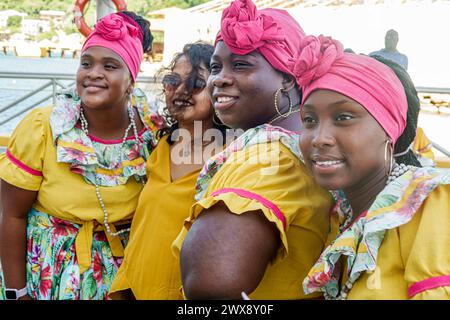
(78, 14)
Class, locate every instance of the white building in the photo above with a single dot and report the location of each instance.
(33, 27)
(53, 16)
(5, 14)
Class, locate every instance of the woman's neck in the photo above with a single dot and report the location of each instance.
(191, 135)
(291, 122)
(362, 195)
(108, 123)
(196, 129)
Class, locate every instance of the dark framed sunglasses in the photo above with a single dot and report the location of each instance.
(193, 84)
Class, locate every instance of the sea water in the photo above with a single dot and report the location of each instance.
(13, 89)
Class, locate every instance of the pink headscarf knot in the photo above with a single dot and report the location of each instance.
(244, 29)
(121, 34)
(274, 33)
(316, 55)
(113, 27)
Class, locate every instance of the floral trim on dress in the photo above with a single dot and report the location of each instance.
(52, 269)
(360, 242)
(261, 134)
(83, 155)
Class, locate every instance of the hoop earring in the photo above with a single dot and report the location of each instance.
(391, 157)
(284, 115)
(217, 123)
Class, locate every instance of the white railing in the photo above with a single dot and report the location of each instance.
(54, 80)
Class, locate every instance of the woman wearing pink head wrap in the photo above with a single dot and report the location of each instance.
(258, 214)
(359, 120)
(72, 174)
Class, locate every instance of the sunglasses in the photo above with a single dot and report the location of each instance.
(193, 84)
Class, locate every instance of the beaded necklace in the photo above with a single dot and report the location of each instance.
(397, 171)
(84, 128)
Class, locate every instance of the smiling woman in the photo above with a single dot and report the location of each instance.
(359, 118)
(70, 188)
(259, 221)
(149, 270)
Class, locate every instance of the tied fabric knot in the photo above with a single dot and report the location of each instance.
(121, 34)
(316, 56)
(112, 27)
(245, 30)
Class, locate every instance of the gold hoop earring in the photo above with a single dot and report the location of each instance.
(217, 123)
(391, 157)
(284, 115)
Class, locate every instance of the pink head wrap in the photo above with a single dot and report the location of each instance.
(272, 32)
(322, 64)
(122, 35)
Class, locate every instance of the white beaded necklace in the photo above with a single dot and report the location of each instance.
(397, 171)
(342, 294)
(84, 128)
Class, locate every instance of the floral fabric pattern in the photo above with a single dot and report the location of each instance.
(262, 134)
(360, 242)
(85, 155)
(52, 270)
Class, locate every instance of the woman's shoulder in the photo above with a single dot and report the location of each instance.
(40, 114)
(35, 121)
(261, 148)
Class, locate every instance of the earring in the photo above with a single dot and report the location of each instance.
(217, 123)
(284, 115)
(391, 158)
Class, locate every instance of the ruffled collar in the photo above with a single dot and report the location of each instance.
(84, 156)
(261, 134)
(360, 241)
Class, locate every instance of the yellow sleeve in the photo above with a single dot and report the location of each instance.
(427, 269)
(270, 178)
(422, 145)
(21, 164)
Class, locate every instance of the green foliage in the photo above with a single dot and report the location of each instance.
(32, 7)
(158, 36)
(70, 28)
(45, 35)
(14, 21)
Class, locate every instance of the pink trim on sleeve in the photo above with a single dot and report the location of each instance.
(22, 166)
(428, 284)
(250, 195)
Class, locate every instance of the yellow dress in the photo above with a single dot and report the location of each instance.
(286, 195)
(399, 250)
(414, 259)
(30, 163)
(422, 148)
(149, 269)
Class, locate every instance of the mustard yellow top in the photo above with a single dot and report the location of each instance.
(422, 145)
(398, 249)
(30, 163)
(149, 269)
(288, 197)
(414, 258)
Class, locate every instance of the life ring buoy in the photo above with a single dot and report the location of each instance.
(78, 14)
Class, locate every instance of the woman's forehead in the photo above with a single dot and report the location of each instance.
(100, 52)
(222, 51)
(327, 97)
(184, 66)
